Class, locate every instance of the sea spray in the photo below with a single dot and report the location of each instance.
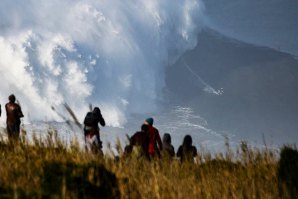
(108, 53)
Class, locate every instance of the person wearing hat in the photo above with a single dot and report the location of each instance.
(155, 144)
(14, 115)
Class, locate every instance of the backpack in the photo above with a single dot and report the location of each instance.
(89, 119)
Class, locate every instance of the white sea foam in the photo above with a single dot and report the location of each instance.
(207, 88)
(108, 53)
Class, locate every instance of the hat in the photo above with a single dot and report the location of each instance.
(149, 121)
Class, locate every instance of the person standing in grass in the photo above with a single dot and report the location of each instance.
(138, 143)
(187, 152)
(91, 130)
(14, 114)
(155, 144)
(168, 150)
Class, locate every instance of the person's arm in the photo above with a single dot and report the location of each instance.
(20, 113)
(132, 140)
(179, 152)
(159, 140)
(195, 153)
(172, 153)
(102, 121)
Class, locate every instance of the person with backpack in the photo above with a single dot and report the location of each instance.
(91, 130)
(14, 114)
(155, 144)
(187, 152)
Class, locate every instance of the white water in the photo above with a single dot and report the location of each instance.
(207, 87)
(108, 53)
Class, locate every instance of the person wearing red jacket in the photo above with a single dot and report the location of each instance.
(14, 115)
(155, 144)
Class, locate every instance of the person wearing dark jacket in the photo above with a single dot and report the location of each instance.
(92, 130)
(14, 115)
(187, 151)
(138, 142)
(168, 150)
(155, 144)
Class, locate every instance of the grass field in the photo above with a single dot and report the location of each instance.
(48, 168)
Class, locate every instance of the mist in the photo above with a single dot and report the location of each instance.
(109, 53)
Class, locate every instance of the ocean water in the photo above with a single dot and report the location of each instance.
(178, 121)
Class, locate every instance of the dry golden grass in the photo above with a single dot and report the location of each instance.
(50, 169)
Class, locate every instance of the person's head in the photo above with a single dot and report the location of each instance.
(167, 138)
(96, 110)
(144, 127)
(187, 141)
(12, 98)
(149, 121)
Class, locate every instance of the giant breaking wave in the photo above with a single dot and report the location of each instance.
(108, 53)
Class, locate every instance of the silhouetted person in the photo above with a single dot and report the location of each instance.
(187, 151)
(139, 142)
(155, 144)
(168, 149)
(91, 130)
(14, 115)
(287, 172)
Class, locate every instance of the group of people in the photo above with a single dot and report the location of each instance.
(146, 142)
(13, 120)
